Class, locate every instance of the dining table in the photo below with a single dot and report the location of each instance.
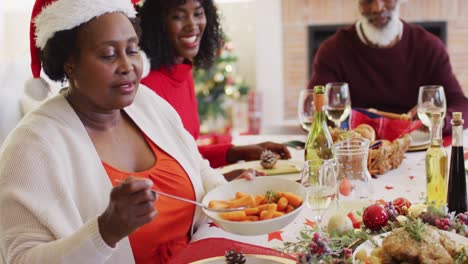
(407, 180)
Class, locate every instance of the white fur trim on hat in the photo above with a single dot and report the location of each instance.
(67, 14)
(36, 90)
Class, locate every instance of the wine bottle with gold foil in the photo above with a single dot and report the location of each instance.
(436, 165)
(457, 198)
(319, 140)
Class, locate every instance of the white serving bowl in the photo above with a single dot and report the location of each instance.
(260, 185)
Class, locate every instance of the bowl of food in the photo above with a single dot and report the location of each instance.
(271, 204)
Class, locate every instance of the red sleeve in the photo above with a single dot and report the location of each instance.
(216, 154)
(326, 65)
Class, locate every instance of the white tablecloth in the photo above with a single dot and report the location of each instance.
(408, 180)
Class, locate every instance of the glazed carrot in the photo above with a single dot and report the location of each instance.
(278, 214)
(293, 199)
(218, 204)
(289, 208)
(264, 215)
(247, 200)
(252, 218)
(234, 216)
(264, 207)
(259, 207)
(272, 207)
(259, 199)
(240, 195)
(282, 204)
(252, 211)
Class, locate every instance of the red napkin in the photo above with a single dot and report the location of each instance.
(385, 128)
(213, 247)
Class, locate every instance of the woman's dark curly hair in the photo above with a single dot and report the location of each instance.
(57, 51)
(155, 40)
(61, 47)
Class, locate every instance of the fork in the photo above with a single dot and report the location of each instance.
(240, 208)
(200, 204)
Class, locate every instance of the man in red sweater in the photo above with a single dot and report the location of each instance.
(385, 61)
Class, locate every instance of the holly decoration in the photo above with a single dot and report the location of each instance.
(375, 217)
(355, 219)
(402, 205)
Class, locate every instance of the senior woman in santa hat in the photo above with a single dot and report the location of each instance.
(76, 174)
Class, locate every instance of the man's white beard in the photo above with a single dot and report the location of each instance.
(382, 37)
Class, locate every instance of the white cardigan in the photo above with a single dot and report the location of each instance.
(53, 185)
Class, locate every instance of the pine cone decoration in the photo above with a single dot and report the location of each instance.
(268, 159)
(234, 257)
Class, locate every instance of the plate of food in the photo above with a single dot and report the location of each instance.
(271, 204)
(415, 244)
(249, 258)
(287, 169)
(420, 138)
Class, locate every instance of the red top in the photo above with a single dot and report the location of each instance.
(389, 79)
(168, 233)
(177, 87)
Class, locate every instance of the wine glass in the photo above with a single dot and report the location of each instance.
(431, 99)
(338, 106)
(319, 178)
(305, 108)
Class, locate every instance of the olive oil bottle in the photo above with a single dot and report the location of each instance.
(319, 140)
(436, 165)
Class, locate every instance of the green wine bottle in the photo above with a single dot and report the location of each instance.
(319, 140)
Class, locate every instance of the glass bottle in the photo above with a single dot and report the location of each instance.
(456, 198)
(319, 140)
(436, 165)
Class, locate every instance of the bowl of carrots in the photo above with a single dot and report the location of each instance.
(271, 204)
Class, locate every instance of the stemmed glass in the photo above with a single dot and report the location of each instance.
(431, 99)
(338, 106)
(319, 178)
(305, 108)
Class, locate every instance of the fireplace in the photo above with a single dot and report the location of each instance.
(318, 33)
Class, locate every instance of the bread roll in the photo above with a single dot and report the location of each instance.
(366, 131)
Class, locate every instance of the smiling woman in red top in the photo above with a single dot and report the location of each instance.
(176, 35)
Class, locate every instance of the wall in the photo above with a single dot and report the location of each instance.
(14, 29)
(298, 14)
(255, 29)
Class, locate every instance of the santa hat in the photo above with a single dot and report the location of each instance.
(51, 16)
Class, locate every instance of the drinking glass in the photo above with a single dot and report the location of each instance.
(431, 99)
(338, 106)
(305, 108)
(354, 179)
(319, 178)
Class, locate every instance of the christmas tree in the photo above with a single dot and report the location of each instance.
(217, 88)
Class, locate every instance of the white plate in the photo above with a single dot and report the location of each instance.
(256, 165)
(466, 165)
(368, 246)
(251, 259)
(420, 138)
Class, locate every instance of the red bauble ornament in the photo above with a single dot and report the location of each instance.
(402, 205)
(375, 217)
